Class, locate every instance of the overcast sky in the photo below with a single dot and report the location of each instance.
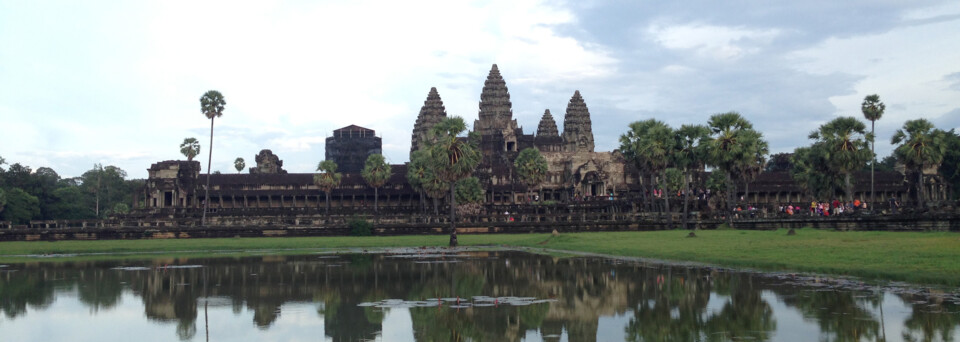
(119, 82)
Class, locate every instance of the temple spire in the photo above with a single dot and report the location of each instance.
(547, 126)
(577, 128)
(496, 111)
(431, 113)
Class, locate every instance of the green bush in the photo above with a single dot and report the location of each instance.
(360, 227)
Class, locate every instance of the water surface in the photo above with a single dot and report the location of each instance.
(431, 295)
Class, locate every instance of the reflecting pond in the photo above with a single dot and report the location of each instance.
(433, 295)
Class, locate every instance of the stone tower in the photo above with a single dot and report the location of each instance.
(496, 113)
(577, 128)
(431, 113)
(548, 137)
(547, 127)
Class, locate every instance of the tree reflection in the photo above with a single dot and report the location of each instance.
(666, 303)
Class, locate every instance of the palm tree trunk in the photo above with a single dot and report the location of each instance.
(731, 192)
(920, 187)
(873, 149)
(327, 210)
(848, 187)
(666, 201)
(453, 214)
(686, 197)
(436, 210)
(423, 209)
(376, 199)
(206, 196)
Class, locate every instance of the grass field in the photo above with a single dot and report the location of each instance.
(932, 258)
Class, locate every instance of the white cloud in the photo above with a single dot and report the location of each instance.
(717, 42)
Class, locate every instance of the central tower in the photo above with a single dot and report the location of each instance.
(496, 112)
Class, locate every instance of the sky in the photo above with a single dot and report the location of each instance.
(119, 82)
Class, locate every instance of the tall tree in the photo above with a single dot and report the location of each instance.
(417, 172)
(920, 146)
(239, 164)
(657, 147)
(733, 144)
(3, 200)
(872, 110)
(531, 168)
(211, 104)
(21, 207)
(689, 154)
(846, 145)
(810, 172)
(327, 179)
(190, 148)
(630, 146)
(453, 158)
(376, 172)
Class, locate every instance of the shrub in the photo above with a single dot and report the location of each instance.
(360, 227)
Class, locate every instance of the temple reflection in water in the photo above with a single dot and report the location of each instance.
(585, 299)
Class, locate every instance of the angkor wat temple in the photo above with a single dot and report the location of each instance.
(575, 169)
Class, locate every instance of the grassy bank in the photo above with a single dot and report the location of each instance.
(917, 257)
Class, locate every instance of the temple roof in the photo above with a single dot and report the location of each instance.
(547, 126)
(431, 113)
(577, 127)
(495, 106)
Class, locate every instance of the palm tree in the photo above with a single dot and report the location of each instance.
(657, 147)
(531, 167)
(417, 172)
(239, 164)
(211, 104)
(631, 149)
(453, 158)
(327, 179)
(376, 172)
(190, 148)
(872, 110)
(690, 152)
(733, 144)
(921, 146)
(846, 143)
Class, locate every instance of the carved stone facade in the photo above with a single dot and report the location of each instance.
(577, 127)
(431, 113)
(268, 163)
(350, 146)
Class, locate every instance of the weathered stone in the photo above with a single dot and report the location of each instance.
(496, 113)
(577, 127)
(350, 146)
(431, 113)
(267, 163)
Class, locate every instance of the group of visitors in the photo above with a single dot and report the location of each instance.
(824, 208)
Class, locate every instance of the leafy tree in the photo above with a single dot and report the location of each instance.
(920, 146)
(733, 146)
(120, 208)
(690, 153)
(190, 148)
(657, 147)
(105, 187)
(3, 200)
(872, 110)
(844, 142)
(239, 164)
(435, 188)
(469, 191)
(417, 172)
(810, 172)
(19, 176)
(779, 162)
(327, 179)
(888, 163)
(21, 207)
(531, 168)
(951, 161)
(211, 104)
(69, 204)
(632, 149)
(453, 159)
(376, 172)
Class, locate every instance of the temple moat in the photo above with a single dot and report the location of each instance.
(439, 295)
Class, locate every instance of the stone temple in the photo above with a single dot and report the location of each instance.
(575, 170)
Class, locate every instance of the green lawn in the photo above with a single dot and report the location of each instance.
(917, 257)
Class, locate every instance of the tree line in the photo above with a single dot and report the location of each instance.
(738, 153)
(41, 194)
